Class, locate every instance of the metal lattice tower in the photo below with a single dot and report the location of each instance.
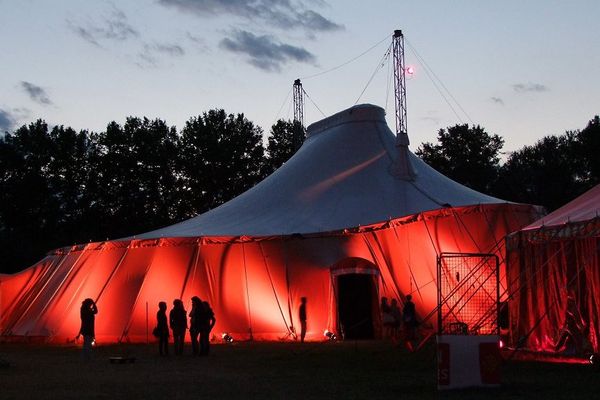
(298, 114)
(400, 88)
(402, 167)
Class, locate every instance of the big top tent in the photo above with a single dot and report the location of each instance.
(351, 217)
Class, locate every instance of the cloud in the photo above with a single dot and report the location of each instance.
(115, 27)
(497, 100)
(529, 87)
(199, 42)
(279, 13)
(264, 51)
(7, 121)
(36, 93)
(149, 56)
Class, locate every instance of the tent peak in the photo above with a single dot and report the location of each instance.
(358, 113)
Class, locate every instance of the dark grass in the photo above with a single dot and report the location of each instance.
(258, 370)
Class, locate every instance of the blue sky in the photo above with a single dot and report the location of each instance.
(521, 69)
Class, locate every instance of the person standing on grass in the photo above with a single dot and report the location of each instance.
(207, 322)
(178, 323)
(409, 317)
(87, 313)
(195, 323)
(163, 329)
(396, 319)
(302, 315)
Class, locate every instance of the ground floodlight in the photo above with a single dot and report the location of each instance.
(595, 360)
(227, 338)
(330, 335)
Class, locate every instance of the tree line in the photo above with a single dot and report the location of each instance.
(60, 187)
(550, 173)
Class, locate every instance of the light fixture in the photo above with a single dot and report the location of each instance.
(410, 70)
(595, 360)
(227, 338)
(330, 335)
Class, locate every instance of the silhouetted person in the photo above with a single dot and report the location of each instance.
(409, 317)
(88, 315)
(178, 323)
(302, 315)
(163, 329)
(207, 322)
(396, 319)
(195, 323)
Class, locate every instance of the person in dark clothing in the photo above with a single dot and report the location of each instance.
(396, 319)
(178, 323)
(409, 318)
(302, 315)
(207, 322)
(195, 323)
(87, 313)
(163, 329)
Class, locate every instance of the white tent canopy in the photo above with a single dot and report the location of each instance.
(341, 177)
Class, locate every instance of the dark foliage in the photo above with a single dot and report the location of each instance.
(468, 155)
(61, 187)
(553, 171)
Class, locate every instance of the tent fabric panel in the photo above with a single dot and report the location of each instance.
(163, 281)
(18, 289)
(117, 300)
(554, 301)
(31, 314)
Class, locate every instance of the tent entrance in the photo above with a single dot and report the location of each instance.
(355, 296)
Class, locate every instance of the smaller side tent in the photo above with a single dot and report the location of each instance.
(554, 280)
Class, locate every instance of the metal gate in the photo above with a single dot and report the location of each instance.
(468, 294)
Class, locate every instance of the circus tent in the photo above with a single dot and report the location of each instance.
(351, 217)
(554, 280)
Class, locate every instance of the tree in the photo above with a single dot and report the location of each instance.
(281, 144)
(221, 156)
(29, 209)
(589, 149)
(468, 155)
(554, 170)
(136, 176)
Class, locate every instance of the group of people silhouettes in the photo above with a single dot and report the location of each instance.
(393, 320)
(202, 320)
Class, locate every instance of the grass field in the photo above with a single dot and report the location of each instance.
(258, 370)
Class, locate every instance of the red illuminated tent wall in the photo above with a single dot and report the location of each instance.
(253, 284)
(349, 203)
(554, 280)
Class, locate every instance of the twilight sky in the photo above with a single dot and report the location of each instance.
(521, 69)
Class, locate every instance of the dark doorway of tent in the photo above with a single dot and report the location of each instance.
(355, 296)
